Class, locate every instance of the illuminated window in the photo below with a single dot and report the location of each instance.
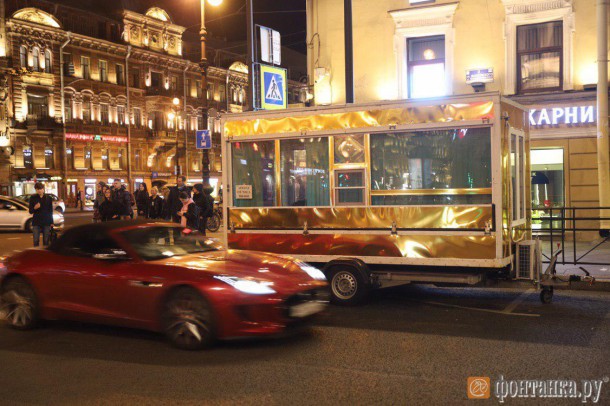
(138, 160)
(103, 65)
(86, 67)
(122, 158)
(106, 158)
(539, 56)
(254, 171)
(47, 61)
(23, 56)
(349, 187)
(120, 75)
(88, 160)
(426, 65)
(38, 106)
(137, 116)
(120, 111)
(104, 114)
(28, 159)
(87, 110)
(36, 60)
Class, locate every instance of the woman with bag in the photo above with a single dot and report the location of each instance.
(188, 214)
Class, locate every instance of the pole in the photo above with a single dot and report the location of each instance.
(184, 127)
(203, 64)
(250, 60)
(128, 117)
(349, 52)
(603, 146)
(64, 193)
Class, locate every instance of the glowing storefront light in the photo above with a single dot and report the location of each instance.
(428, 80)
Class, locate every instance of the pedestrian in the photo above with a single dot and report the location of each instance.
(142, 200)
(79, 199)
(188, 213)
(165, 213)
(155, 204)
(122, 197)
(41, 206)
(99, 198)
(173, 200)
(205, 203)
(110, 208)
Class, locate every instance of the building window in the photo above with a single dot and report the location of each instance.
(86, 67)
(120, 112)
(70, 157)
(122, 158)
(138, 160)
(426, 65)
(105, 158)
(88, 159)
(222, 96)
(120, 75)
(68, 110)
(28, 158)
(156, 80)
(47, 61)
(38, 106)
(104, 114)
(49, 161)
(103, 65)
(174, 84)
(23, 56)
(137, 117)
(539, 56)
(210, 91)
(135, 78)
(36, 60)
(199, 89)
(68, 66)
(87, 110)
(189, 87)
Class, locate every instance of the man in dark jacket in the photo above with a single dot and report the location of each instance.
(121, 197)
(41, 206)
(205, 204)
(173, 200)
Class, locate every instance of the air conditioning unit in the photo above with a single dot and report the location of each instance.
(528, 260)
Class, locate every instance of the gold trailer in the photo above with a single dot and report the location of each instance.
(385, 193)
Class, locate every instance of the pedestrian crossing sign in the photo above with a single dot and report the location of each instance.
(273, 87)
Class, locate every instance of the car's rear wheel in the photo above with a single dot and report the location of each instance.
(19, 304)
(188, 320)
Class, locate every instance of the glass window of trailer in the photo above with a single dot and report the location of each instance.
(305, 174)
(254, 174)
(451, 166)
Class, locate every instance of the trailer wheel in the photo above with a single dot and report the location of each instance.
(347, 285)
(546, 295)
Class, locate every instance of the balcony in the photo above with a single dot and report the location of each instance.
(161, 91)
(35, 122)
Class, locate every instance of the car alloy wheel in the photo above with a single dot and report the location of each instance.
(19, 306)
(188, 321)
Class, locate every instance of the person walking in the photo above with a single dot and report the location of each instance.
(188, 213)
(99, 198)
(142, 200)
(110, 208)
(41, 206)
(173, 200)
(79, 199)
(122, 197)
(155, 204)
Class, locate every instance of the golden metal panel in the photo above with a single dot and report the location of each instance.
(426, 192)
(361, 119)
(404, 246)
(407, 217)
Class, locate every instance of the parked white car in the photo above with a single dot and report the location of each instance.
(58, 204)
(15, 215)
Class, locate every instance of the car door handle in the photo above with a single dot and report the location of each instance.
(145, 284)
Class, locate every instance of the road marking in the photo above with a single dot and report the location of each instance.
(518, 300)
(477, 309)
(15, 238)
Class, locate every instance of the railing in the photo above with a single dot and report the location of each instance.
(563, 225)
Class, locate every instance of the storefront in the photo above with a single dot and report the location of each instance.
(563, 154)
(24, 185)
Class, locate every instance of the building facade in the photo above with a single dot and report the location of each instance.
(104, 97)
(541, 53)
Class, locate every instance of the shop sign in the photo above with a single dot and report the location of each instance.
(243, 192)
(577, 115)
(161, 174)
(484, 75)
(55, 177)
(92, 137)
(90, 180)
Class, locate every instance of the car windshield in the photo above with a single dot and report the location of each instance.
(152, 243)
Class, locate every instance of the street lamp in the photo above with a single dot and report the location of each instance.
(203, 64)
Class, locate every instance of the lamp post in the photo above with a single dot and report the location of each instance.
(203, 64)
(173, 117)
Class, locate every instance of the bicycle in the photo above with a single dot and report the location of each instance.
(215, 220)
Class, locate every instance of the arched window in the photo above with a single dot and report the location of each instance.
(36, 60)
(23, 56)
(47, 61)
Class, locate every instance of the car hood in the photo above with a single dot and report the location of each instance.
(281, 271)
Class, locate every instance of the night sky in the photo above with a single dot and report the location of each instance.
(229, 19)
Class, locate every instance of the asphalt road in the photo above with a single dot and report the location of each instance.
(408, 345)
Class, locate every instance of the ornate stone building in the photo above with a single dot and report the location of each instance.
(131, 101)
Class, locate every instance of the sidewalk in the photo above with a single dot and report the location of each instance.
(600, 255)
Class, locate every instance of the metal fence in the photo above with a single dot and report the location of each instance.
(562, 227)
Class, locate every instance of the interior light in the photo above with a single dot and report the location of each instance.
(429, 54)
(215, 3)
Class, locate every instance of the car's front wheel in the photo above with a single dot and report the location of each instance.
(19, 304)
(188, 320)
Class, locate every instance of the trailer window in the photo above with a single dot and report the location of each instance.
(349, 187)
(517, 174)
(349, 149)
(450, 166)
(254, 174)
(304, 168)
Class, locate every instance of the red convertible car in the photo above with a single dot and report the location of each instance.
(153, 276)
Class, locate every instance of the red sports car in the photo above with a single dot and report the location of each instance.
(153, 276)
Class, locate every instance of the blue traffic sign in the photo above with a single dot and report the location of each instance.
(273, 87)
(204, 139)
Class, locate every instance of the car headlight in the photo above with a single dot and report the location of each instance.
(312, 271)
(247, 285)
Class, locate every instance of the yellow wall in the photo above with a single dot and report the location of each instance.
(478, 36)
